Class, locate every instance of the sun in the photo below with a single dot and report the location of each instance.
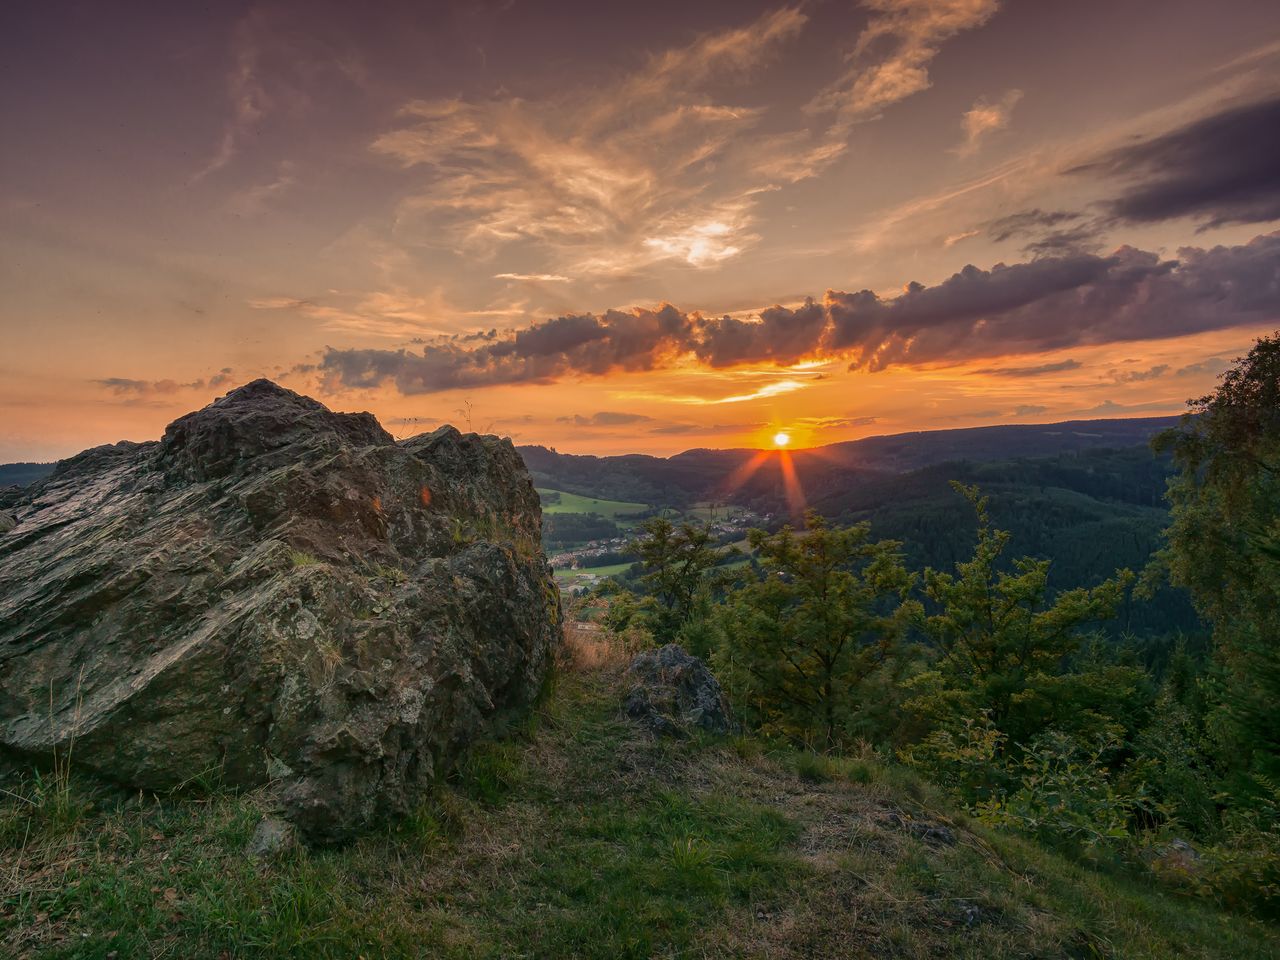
(781, 438)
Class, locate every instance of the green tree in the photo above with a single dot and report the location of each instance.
(812, 647)
(678, 561)
(1224, 545)
(1003, 646)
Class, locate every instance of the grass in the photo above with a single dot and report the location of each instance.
(608, 570)
(583, 837)
(575, 503)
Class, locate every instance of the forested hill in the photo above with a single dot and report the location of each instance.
(21, 474)
(1090, 511)
(710, 474)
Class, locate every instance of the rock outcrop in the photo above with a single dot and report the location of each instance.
(275, 593)
(674, 693)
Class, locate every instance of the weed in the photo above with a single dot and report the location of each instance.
(813, 767)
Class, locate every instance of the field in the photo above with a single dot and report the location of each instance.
(708, 512)
(565, 576)
(574, 503)
(581, 836)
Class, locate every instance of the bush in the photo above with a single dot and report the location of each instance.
(1064, 795)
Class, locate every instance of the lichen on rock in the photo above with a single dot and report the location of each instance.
(674, 693)
(277, 593)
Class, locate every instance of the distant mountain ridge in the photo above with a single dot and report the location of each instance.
(702, 474)
(21, 474)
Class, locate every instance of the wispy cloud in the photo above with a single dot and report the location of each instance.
(891, 58)
(245, 91)
(610, 180)
(533, 277)
(985, 118)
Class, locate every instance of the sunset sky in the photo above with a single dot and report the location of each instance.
(633, 227)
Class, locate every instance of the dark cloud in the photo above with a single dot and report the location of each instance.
(1028, 410)
(1137, 376)
(1210, 365)
(605, 418)
(1220, 169)
(1083, 238)
(1056, 303)
(677, 429)
(781, 335)
(1049, 303)
(1029, 223)
(1109, 408)
(221, 378)
(1059, 367)
(124, 387)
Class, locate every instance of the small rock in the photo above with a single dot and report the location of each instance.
(1176, 856)
(925, 830)
(674, 692)
(270, 837)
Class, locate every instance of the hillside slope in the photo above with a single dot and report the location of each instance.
(583, 837)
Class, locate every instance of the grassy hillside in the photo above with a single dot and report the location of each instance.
(575, 503)
(579, 836)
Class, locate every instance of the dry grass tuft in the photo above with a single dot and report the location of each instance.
(589, 648)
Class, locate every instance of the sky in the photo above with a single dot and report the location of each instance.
(633, 227)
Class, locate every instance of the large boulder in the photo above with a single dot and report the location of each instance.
(275, 593)
(674, 693)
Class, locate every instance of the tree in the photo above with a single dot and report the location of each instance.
(678, 560)
(1003, 645)
(1224, 545)
(803, 646)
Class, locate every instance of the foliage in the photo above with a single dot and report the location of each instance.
(604, 845)
(679, 560)
(1224, 543)
(811, 648)
(1000, 640)
(1063, 793)
(1243, 871)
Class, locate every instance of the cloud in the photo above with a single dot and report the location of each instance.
(1058, 302)
(835, 423)
(890, 60)
(387, 313)
(679, 429)
(1029, 223)
(149, 389)
(254, 201)
(221, 378)
(782, 335)
(609, 180)
(984, 118)
(248, 97)
(605, 418)
(533, 277)
(1037, 371)
(1139, 376)
(1050, 303)
(955, 238)
(1211, 366)
(1028, 410)
(1109, 408)
(1219, 169)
